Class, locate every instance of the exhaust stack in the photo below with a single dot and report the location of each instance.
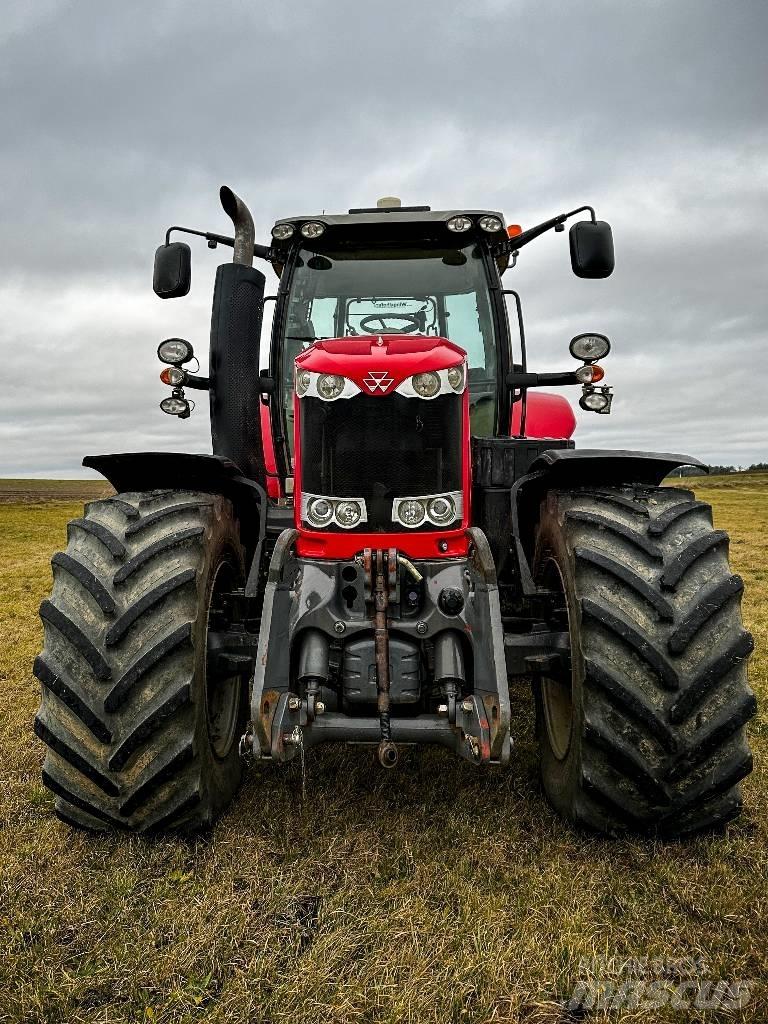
(245, 233)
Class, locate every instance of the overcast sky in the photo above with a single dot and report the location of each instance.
(118, 119)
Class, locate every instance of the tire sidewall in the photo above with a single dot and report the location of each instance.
(219, 777)
(561, 778)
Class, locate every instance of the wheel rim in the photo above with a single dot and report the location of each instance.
(222, 693)
(556, 692)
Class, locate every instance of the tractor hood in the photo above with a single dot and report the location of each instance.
(380, 364)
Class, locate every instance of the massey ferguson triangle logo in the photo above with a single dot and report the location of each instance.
(378, 380)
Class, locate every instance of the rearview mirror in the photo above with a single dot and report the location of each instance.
(173, 270)
(591, 249)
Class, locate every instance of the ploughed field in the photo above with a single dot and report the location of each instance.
(431, 893)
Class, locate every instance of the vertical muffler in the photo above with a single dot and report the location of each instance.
(236, 318)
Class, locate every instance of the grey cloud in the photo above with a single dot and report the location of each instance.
(120, 119)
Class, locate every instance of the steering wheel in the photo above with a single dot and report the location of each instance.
(411, 323)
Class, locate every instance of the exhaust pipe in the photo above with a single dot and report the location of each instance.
(245, 233)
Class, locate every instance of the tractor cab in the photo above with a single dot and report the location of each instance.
(393, 271)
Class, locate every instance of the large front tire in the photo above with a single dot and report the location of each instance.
(646, 730)
(139, 735)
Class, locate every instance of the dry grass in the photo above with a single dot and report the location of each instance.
(431, 894)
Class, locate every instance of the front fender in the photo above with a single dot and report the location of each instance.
(584, 467)
(214, 474)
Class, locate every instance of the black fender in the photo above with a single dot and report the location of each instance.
(214, 474)
(578, 467)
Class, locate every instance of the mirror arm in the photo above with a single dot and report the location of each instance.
(263, 252)
(518, 241)
(518, 378)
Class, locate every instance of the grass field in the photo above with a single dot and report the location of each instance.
(432, 893)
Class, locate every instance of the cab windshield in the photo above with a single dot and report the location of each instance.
(408, 290)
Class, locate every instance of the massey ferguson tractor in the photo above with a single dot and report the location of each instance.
(393, 529)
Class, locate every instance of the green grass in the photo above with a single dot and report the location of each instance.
(434, 893)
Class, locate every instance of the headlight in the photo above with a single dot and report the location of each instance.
(348, 513)
(312, 229)
(411, 512)
(490, 224)
(426, 385)
(175, 406)
(175, 351)
(589, 347)
(303, 380)
(441, 509)
(438, 509)
(319, 511)
(282, 231)
(329, 386)
(459, 224)
(455, 375)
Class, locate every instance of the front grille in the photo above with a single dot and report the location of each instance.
(381, 449)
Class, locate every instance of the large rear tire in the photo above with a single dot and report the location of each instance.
(646, 730)
(139, 735)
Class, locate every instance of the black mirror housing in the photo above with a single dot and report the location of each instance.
(591, 249)
(173, 270)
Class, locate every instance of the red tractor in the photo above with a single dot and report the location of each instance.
(394, 525)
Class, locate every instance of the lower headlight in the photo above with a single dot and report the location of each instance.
(303, 381)
(319, 512)
(426, 385)
(411, 512)
(348, 513)
(441, 510)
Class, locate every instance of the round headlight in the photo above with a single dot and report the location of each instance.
(426, 385)
(490, 224)
(594, 401)
(172, 375)
(175, 406)
(455, 376)
(303, 380)
(589, 347)
(320, 511)
(459, 224)
(442, 509)
(411, 512)
(312, 229)
(348, 513)
(282, 231)
(174, 351)
(330, 386)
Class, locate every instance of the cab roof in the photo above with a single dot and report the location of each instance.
(410, 222)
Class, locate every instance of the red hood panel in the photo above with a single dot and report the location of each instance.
(399, 356)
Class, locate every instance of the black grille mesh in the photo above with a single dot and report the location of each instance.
(380, 449)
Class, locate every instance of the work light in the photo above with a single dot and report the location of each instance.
(490, 224)
(459, 224)
(312, 229)
(175, 405)
(282, 231)
(175, 351)
(589, 347)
